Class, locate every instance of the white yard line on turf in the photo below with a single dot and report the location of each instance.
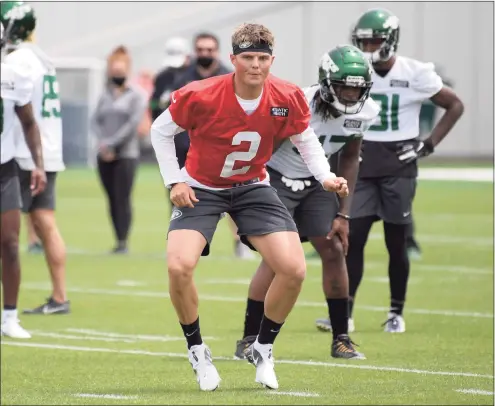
(103, 396)
(279, 361)
(297, 394)
(475, 392)
(143, 337)
(213, 298)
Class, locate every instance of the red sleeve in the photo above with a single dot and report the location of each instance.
(182, 103)
(299, 114)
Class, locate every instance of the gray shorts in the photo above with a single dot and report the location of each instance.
(255, 209)
(312, 208)
(389, 198)
(43, 201)
(9, 187)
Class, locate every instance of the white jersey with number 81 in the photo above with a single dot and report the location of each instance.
(400, 95)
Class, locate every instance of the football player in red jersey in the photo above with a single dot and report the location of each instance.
(235, 121)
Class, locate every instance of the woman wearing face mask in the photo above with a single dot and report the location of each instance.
(115, 124)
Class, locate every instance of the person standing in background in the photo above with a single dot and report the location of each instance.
(206, 65)
(115, 123)
(175, 63)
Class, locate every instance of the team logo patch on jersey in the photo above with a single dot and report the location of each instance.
(175, 214)
(279, 111)
(8, 85)
(349, 123)
(399, 83)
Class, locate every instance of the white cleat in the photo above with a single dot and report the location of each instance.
(202, 363)
(12, 328)
(260, 355)
(395, 324)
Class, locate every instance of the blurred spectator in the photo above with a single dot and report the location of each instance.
(175, 62)
(115, 122)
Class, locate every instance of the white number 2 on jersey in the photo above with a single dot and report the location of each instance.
(248, 136)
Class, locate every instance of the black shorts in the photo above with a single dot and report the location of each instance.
(10, 189)
(255, 209)
(312, 208)
(43, 201)
(389, 198)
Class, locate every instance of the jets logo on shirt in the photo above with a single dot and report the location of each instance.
(349, 123)
(399, 83)
(175, 214)
(279, 111)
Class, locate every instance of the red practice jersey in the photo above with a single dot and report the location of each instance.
(228, 146)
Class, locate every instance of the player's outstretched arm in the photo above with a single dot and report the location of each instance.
(33, 141)
(314, 156)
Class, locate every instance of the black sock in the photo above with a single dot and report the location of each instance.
(351, 306)
(358, 235)
(253, 317)
(398, 268)
(192, 333)
(268, 331)
(396, 307)
(338, 312)
(9, 307)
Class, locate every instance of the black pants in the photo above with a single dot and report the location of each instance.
(117, 177)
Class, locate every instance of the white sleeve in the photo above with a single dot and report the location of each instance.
(313, 154)
(427, 82)
(162, 135)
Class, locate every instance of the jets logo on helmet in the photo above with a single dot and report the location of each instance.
(345, 79)
(377, 25)
(328, 65)
(18, 20)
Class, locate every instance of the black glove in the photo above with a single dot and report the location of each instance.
(408, 153)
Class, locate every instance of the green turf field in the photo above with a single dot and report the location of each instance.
(122, 340)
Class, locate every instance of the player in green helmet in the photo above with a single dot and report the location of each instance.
(387, 175)
(341, 112)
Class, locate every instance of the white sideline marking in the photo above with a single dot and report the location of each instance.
(103, 396)
(456, 174)
(73, 337)
(475, 392)
(279, 361)
(454, 313)
(119, 337)
(130, 283)
(299, 394)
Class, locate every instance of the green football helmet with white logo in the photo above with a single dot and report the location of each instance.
(18, 20)
(345, 71)
(377, 25)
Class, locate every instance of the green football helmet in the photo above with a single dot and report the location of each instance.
(378, 24)
(343, 70)
(18, 20)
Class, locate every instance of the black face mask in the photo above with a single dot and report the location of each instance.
(118, 80)
(205, 61)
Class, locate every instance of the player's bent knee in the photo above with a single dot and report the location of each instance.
(296, 274)
(181, 268)
(331, 251)
(10, 249)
